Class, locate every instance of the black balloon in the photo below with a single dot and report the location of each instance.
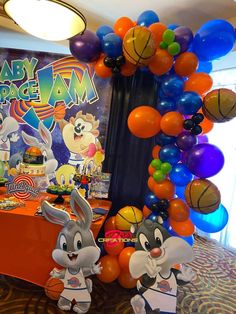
(196, 130)
(116, 70)
(163, 204)
(198, 118)
(120, 61)
(109, 62)
(188, 124)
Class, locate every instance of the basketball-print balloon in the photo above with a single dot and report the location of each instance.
(202, 196)
(127, 216)
(220, 105)
(139, 45)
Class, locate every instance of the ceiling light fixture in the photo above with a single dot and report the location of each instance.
(47, 19)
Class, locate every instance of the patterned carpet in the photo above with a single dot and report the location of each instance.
(212, 292)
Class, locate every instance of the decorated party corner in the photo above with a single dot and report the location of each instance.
(117, 145)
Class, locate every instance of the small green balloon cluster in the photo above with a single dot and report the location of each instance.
(169, 43)
(162, 169)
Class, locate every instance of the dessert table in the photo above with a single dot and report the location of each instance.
(27, 240)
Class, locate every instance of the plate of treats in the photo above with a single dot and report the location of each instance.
(59, 190)
(3, 181)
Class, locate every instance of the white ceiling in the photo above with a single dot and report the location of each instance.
(191, 13)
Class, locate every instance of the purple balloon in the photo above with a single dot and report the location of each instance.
(186, 140)
(202, 139)
(86, 47)
(183, 36)
(205, 160)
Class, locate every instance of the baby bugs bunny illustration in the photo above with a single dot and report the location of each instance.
(76, 251)
(45, 147)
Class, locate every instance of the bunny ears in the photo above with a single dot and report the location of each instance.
(79, 206)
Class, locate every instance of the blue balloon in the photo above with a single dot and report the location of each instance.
(112, 45)
(189, 103)
(214, 40)
(173, 26)
(180, 175)
(189, 240)
(204, 67)
(213, 222)
(147, 18)
(150, 199)
(163, 139)
(103, 31)
(179, 191)
(170, 153)
(166, 105)
(172, 86)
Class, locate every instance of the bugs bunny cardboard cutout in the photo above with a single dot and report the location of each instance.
(156, 253)
(76, 251)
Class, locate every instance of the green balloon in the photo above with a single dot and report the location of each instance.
(2, 170)
(163, 45)
(174, 49)
(156, 163)
(158, 176)
(168, 36)
(166, 167)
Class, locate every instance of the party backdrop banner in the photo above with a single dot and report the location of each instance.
(52, 102)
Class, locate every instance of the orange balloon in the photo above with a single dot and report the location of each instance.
(178, 210)
(155, 151)
(206, 125)
(200, 83)
(172, 123)
(110, 224)
(124, 258)
(157, 30)
(146, 211)
(151, 183)
(184, 228)
(161, 62)
(110, 269)
(128, 69)
(122, 25)
(126, 281)
(144, 121)
(186, 64)
(151, 170)
(101, 70)
(164, 189)
(114, 248)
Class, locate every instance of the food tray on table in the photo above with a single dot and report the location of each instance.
(60, 190)
(3, 181)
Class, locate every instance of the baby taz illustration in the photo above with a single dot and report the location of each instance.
(80, 135)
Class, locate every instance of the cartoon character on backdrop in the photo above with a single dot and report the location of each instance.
(45, 147)
(13, 166)
(80, 135)
(65, 175)
(156, 253)
(76, 251)
(8, 127)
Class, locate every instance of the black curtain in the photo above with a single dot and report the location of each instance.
(128, 157)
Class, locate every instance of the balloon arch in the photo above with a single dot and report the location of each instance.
(183, 160)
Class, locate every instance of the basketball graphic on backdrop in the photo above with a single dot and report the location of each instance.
(139, 45)
(127, 216)
(54, 288)
(220, 105)
(202, 196)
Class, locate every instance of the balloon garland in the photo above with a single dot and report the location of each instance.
(183, 160)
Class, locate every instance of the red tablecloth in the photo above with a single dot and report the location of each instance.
(27, 241)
